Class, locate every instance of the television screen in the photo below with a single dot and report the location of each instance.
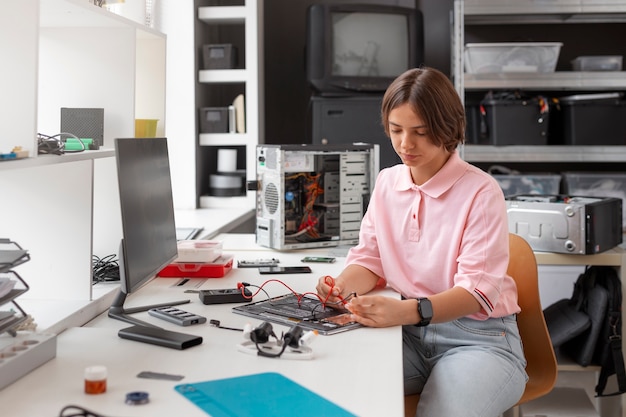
(361, 48)
(369, 44)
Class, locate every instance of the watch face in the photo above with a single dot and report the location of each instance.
(425, 309)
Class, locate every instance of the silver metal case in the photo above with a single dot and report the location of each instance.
(290, 215)
(564, 224)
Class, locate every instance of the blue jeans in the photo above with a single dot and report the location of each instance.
(465, 367)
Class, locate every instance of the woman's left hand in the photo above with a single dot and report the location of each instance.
(377, 311)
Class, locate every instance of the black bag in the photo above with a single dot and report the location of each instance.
(565, 321)
(598, 296)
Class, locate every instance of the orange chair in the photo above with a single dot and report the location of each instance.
(541, 366)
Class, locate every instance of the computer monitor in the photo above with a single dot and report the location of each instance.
(148, 228)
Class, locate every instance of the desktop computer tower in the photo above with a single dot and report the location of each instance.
(310, 196)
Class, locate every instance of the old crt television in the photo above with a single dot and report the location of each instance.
(361, 48)
(311, 196)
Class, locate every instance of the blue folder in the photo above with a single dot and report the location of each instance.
(264, 394)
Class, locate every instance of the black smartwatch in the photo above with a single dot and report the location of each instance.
(425, 310)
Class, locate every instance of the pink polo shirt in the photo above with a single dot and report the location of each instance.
(450, 231)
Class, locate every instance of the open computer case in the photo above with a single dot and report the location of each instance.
(312, 196)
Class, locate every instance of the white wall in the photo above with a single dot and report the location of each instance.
(175, 18)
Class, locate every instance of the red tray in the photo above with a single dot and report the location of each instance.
(216, 269)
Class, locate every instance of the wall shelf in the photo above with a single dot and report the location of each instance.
(574, 154)
(565, 80)
(65, 209)
(241, 27)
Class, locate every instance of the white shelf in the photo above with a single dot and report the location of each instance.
(223, 14)
(555, 11)
(226, 139)
(565, 80)
(65, 208)
(223, 76)
(250, 82)
(43, 160)
(243, 202)
(489, 153)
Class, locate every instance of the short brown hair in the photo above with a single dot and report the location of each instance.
(434, 99)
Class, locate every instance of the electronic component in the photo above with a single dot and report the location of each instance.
(312, 195)
(284, 270)
(224, 296)
(255, 263)
(293, 345)
(159, 375)
(176, 316)
(566, 224)
(320, 259)
(160, 337)
(306, 311)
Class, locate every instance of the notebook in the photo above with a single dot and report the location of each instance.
(263, 394)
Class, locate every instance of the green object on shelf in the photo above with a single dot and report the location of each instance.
(72, 144)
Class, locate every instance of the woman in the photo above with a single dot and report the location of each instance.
(436, 231)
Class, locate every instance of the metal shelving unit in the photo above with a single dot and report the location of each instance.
(562, 12)
(469, 13)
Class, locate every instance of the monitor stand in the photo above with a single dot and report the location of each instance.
(118, 312)
(145, 332)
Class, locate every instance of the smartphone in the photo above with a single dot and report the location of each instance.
(321, 259)
(284, 270)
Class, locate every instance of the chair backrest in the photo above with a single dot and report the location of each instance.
(542, 366)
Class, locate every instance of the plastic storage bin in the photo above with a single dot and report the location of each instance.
(592, 119)
(513, 184)
(597, 184)
(507, 122)
(597, 63)
(511, 57)
(216, 269)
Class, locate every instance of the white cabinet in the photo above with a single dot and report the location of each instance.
(241, 27)
(64, 209)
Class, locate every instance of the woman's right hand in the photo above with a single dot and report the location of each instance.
(330, 289)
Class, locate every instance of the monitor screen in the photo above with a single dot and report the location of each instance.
(369, 44)
(149, 231)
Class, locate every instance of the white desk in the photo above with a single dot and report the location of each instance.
(360, 370)
(214, 220)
